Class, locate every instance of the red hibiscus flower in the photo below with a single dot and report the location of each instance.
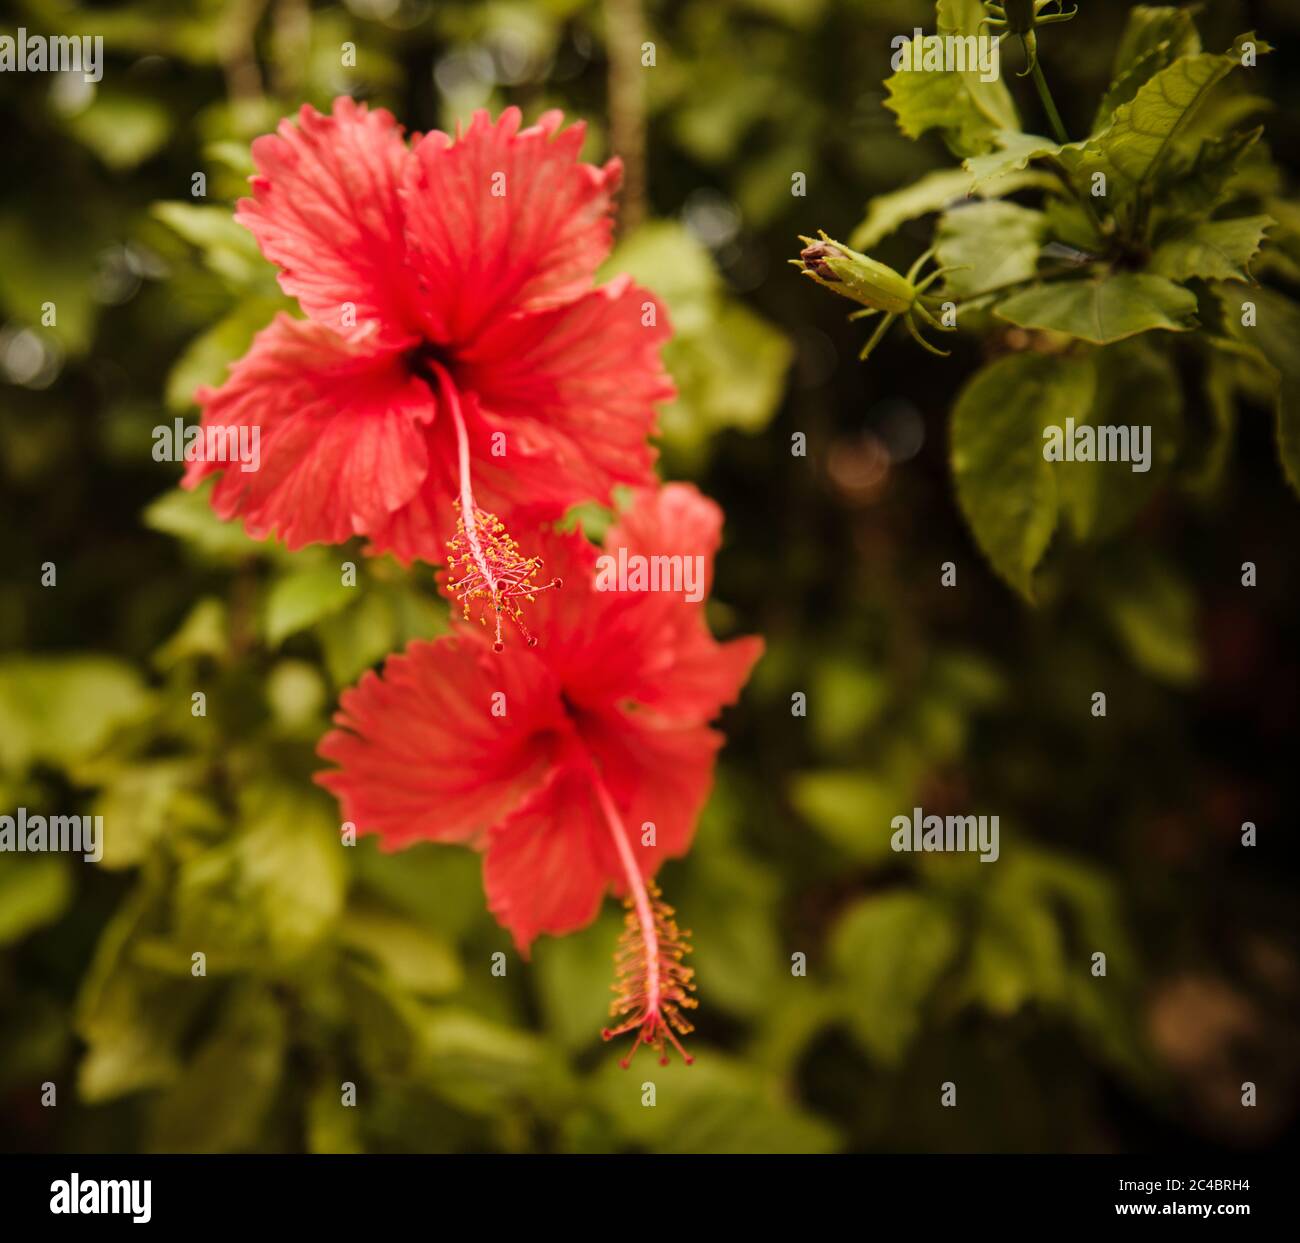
(453, 324)
(577, 766)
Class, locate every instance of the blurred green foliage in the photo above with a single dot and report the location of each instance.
(328, 965)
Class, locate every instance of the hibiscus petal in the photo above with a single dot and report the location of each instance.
(651, 647)
(549, 865)
(423, 757)
(340, 434)
(675, 519)
(702, 677)
(421, 529)
(573, 390)
(683, 671)
(572, 393)
(659, 775)
(503, 220)
(326, 209)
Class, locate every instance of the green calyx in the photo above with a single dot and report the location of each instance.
(1022, 19)
(876, 286)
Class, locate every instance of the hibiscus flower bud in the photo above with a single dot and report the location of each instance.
(854, 275)
(814, 257)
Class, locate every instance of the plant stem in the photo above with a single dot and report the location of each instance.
(625, 29)
(238, 56)
(1049, 105)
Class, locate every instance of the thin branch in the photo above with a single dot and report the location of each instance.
(624, 34)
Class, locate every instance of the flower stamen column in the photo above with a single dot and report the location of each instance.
(493, 572)
(653, 985)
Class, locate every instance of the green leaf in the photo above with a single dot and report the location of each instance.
(291, 866)
(1069, 224)
(129, 1017)
(941, 188)
(418, 614)
(34, 891)
(1103, 309)
(382, 1021)
(712, 119)
(1221, 387)
(332, 1127)
(1100, 498)
(996, 243)
(969, 112)
(729, 364)
(123, 130)
(888, 953)
(732, 376)
(1089, 916)
(589, 517)
(1208, 181)
(573, 978)
(228, 248)
(1273, 337)
(42, 265)
(61, 710)
(480, 1065)
(718, 1105)
(1123, 88)
(303, 597)
(1211, 249)
(1012, 153)
(206, 226)
(204, 632)
(384, 618)
(137, 808)
(131, 1041)
(409, 956)
(207, 358)
(220, 1102)
(188, 515)
(1007, 491)
(851, 809)
(1016, 953)
(1038, 922)
(728, 899)
(1148, 27)
(1153, 39)
(1143, 131)
(296, 694)
(234, 155)
(762, 184)
(1153, 614)
(668, 254)
(405, 880)
(1283, 253)
(273, 891)
(358, 637)
(850, 696)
